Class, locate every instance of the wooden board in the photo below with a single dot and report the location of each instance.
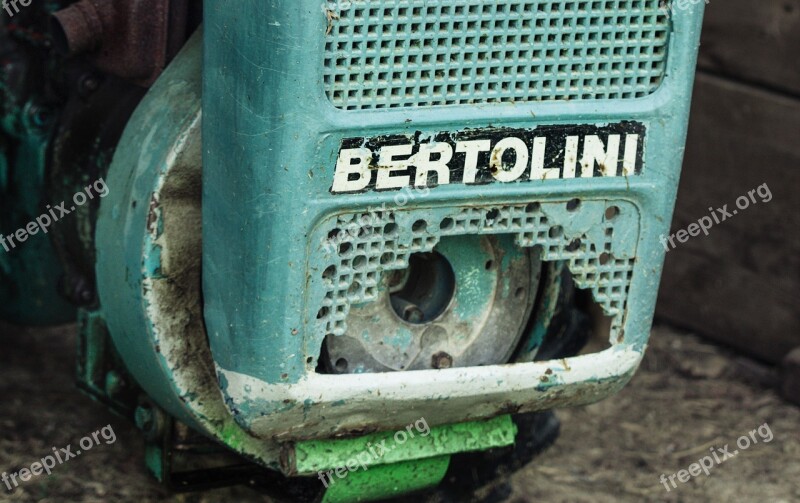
(753, 41)
(741, 283)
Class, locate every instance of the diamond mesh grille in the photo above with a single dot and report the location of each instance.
(419, 53)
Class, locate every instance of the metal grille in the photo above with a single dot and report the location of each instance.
(418, 53)
(599, 258)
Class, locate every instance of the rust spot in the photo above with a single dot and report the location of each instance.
(441, 360)
(331, 16)
(548, 371)
(152, 214)
(495, 161)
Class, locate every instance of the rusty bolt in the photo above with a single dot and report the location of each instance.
(441, 360)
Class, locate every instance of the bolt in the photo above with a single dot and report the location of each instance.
(441, 360)
(88, 84)
(413, 314)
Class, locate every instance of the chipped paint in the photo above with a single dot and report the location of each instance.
(161, 335)
(385, 402)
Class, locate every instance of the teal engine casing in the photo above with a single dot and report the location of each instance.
(490, 135)
(328, 220)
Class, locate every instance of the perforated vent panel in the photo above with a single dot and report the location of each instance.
(597, 241)
(418, 53)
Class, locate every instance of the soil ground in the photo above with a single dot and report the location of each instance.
(688, 397)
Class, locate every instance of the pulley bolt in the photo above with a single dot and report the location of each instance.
(442, 360)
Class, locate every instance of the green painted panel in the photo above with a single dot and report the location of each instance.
(391, 447)
(386, 481)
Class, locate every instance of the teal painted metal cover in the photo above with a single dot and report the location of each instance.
(557, 124)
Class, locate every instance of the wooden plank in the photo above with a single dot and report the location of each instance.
(741, 283)
(753, 41)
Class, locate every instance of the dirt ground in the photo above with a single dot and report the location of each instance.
(688, 397)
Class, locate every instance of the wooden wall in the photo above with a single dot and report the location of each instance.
(740, 285)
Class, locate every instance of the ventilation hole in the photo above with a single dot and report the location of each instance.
(612, 212)
(605, 258)
(573, 204)
(387, 258)
(419, 226)
(323, 312)
(519, 293)
(329, 272)
(334, 233)
(359, 262)
(341, 365)
(345, 248)
(492, 214)
(574, 245)
(447, 224)
(389, 229)
(555, 232)
(532, 207)
(489, 264)
(310, 360)
(355, 287)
